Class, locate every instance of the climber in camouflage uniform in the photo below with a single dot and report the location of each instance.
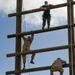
(46, 14)
(26, 47)
(58, 66)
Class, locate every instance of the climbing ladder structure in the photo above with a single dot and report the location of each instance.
(71, 44)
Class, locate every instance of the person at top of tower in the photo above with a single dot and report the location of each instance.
(46, 14)
(26, 47)
(58, 66)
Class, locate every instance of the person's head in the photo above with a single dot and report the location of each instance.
(28, 37)
(46, 2)
(58, 58)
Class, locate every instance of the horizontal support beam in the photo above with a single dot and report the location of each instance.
(32, 69)
(38, 9)
(41, 50)
(39, 31)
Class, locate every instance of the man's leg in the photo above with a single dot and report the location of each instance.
(48, 21)
(44, 22)
(32, 57)
(61, 73)
(51, 72)
(24, 61)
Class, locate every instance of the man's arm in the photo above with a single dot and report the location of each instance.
(24, 38)
(32, 36)
(43, 7)
(64, 62)
(50, 6)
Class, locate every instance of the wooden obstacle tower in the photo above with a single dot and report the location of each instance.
(71, 41)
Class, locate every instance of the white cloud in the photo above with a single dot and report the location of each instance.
(58, 16)
(7, 6)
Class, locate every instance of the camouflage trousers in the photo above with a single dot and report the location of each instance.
(24, 56)
(56, 69)
(46, 19)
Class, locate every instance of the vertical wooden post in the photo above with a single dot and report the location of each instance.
(69, 38)
(18, 40)
(70, 34)
(73, 42)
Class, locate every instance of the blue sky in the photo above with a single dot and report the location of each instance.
(42, 40)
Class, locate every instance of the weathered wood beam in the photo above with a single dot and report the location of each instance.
(70, 20)
(41, 50)
(38, 9)
(39, 31)
(32, 69)
(18, 30)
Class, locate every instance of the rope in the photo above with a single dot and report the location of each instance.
(24, 23)
(28, 64)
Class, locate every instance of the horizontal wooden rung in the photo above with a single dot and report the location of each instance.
(39, 31)
(32, 69)
(41, 50)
